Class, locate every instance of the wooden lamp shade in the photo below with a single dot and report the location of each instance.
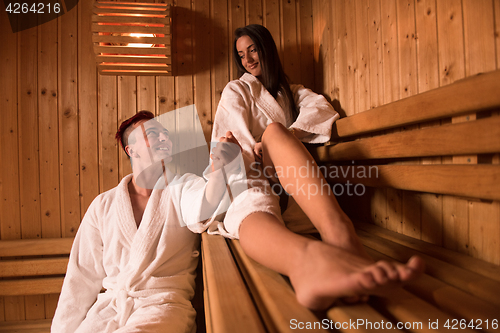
(132, 38)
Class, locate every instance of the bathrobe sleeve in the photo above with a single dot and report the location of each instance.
(199, 217)
(84, 275)
(234, 113)
(316, 115)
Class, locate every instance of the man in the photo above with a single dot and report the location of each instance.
(134, 243)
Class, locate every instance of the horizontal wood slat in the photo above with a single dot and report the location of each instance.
(41, 286)
(26, 326)
(474, 137)
(230, 306)
(273, 295)
(452, 257)
(133, 59)
(470, 282)
(35, 247)
(147, 5)
(447, 298)
(412, 311)
(130, 39)
(131, 10)
(474, 181)
(344, 315)
(131, 20)
(134, 72)
(472, 94)
(96, 27)
(30, 267)
(119, 50)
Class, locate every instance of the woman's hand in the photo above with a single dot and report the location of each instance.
(257, 152)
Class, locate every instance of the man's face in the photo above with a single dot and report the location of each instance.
(152, 142)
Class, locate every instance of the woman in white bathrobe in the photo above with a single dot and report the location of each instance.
(268, 117)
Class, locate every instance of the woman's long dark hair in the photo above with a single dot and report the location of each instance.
(273, 77)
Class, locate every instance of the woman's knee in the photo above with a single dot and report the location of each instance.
(274, 131)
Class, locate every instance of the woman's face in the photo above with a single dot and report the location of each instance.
(249, 55)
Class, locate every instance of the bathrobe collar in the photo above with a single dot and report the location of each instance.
(151, 223)
(264, 100)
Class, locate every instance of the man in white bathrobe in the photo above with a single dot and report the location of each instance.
(133, 242)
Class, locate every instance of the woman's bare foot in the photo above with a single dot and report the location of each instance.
(340, 233)
(326, 273)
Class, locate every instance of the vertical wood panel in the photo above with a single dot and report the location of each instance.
(146, 92)
(376, 54)
(28, 150)
(388, 201)
(10, 214)
(221, 55)
(306, 44)
(496, 4)
(127, 107)
(271, 21)
(411, 214)
(363, 55)
(236, 20)
(253, 12)
(427, 64)
(322, 51)
(108, 154)
(184, 93)
(11, 308)
(340, 41)
(69, 124)
(87, 102)
(451, 68)
(479, 43)
(48, 130)
(352, 102)
(202, 63)
(48, 141)
(291, 55)
(390, 48)
(28, 134)
(407, 48)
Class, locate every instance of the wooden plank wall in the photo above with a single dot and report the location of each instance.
(58, 116)
(373, 52)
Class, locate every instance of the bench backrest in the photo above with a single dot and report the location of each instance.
(365, 139)
(33, 266)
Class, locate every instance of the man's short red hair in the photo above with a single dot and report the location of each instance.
(141, 115)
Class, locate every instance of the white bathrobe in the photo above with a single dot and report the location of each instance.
(246, 108)
(148, 272)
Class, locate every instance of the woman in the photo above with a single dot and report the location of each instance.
(268, 117)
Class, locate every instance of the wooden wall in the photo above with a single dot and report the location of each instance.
(58, 116)
(377, 51)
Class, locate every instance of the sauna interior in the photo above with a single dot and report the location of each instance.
(59, 115)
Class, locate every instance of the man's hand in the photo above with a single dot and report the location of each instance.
(225, 151)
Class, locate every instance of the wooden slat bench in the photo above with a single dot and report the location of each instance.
(456, 290)
(32, 267)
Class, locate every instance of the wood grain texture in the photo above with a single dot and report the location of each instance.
(230, 306)
(273, 295)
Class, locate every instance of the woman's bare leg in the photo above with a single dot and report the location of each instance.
(300, 177)
(320, 273)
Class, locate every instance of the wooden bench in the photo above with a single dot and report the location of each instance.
(457, 290)
(32, 267)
